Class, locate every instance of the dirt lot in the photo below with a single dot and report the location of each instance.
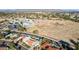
(59, 29)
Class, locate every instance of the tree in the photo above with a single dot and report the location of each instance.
(35, 32)
(76, 44)
(1, 36)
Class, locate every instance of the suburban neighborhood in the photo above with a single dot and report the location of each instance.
(39, 30)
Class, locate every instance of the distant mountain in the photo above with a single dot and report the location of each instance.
(71, 10)
(38, 10)
(8, 10)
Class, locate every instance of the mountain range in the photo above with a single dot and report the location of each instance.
(38, 10)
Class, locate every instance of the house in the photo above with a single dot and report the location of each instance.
(28, 41)
(47, 46)
(27, 23)
(13, 26)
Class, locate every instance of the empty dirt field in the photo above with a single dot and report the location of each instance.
(59, 29)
